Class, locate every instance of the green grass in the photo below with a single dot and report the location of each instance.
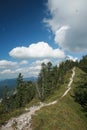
(65, 115)
(5, 117)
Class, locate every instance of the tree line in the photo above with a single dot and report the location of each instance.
(51, 77)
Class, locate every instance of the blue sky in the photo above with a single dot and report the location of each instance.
(32, 32)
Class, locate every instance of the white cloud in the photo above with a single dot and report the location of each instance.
(71, 58)
(39, 62)
(60, 34)
(36, 50)
(7, 64)
(24, 62)
(72, 14)
(26, 68)
(29, 71)
(6, 71)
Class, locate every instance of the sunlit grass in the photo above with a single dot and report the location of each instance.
(65, 115)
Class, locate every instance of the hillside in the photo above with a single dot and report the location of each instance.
(66, 114)
(59, 111)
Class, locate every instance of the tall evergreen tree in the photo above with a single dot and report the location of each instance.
(6, 99)
(20, 94)
(41, 81)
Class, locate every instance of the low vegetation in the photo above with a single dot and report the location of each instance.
(80, 89)
(67, 114)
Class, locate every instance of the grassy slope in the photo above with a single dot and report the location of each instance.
(65, 115)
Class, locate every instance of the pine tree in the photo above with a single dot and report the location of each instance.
(41, 82)
(20, 87)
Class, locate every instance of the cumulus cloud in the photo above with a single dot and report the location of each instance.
(24, 62)
(60, 34)
(32, 70)
(7, 64)
(9, 69)
(71, 58)
(39, 62)
(68, 23)
(36, 50)
(6, 71)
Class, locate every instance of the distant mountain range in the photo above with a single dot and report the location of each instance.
(12, 83)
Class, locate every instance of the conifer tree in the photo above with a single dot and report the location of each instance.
(20, 87)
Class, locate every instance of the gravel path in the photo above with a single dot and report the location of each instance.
(70, 82)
